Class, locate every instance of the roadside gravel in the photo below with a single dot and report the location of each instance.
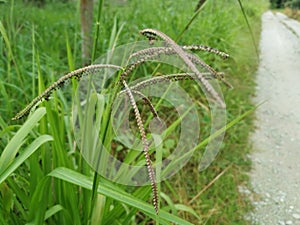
(275, 176)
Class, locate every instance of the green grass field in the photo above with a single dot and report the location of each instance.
(43, 177)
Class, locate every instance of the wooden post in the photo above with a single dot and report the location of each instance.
(86, 17)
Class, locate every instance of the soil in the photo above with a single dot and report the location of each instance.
(275, 176)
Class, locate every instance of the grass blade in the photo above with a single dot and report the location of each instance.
(25, 155)
(53, 210)
(249, 27)
(10, 53)
(96, 35)
(211, 137)
(15, 143)
(198, 10)
(39, 200)
(110, 190)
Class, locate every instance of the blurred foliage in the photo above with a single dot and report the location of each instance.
(294, 4)
(292, 13)
(41, 3)
(276, 4)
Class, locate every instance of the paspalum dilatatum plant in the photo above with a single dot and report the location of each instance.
(169, 48)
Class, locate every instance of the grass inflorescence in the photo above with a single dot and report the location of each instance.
(147, 54)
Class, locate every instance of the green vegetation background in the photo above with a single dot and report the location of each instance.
(44, 42)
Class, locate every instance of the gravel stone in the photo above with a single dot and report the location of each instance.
(296, 216)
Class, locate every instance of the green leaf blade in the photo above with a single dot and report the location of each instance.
(16, 142)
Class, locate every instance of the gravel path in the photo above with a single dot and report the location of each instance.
(276, 160)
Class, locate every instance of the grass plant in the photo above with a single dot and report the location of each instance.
(43, 176)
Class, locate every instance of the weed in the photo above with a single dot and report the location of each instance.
(147, 54)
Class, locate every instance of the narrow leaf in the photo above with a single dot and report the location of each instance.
(53, 210)
(15, 143)
(25, 155)
(110, 190)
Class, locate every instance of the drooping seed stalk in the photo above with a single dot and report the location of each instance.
(224, 55)
(198, 61)
(175, 77)
(151, 53)
(141, 128)
(166, 78)
(60, 82)
(140, 61)
(169, 50)
(151, 33)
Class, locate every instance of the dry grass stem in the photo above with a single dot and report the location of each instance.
(210, 184)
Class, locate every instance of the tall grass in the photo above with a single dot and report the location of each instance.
(49, 181)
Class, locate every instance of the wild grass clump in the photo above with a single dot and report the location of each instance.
(45, 179)
(151, 53)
